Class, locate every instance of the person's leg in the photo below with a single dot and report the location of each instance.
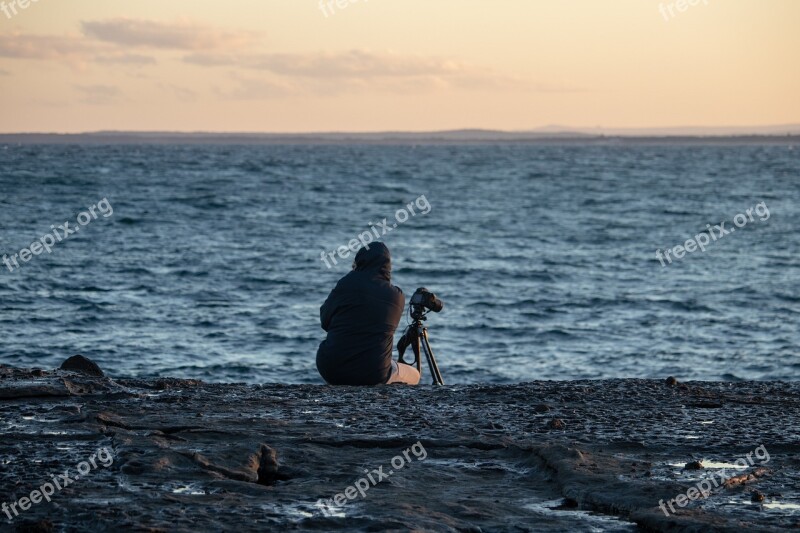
(403, 373)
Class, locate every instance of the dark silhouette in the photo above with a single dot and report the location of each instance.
(361, 315)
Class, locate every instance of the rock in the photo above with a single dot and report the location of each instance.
(541, 408)
(671, 381)
(79, 363)
(193, 456)
(756, 497)
(268, 466)
(694, 465)
(567, 503)
(42, 526)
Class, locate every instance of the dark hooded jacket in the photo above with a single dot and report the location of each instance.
(361, 315)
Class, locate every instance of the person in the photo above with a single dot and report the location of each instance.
(360, 316)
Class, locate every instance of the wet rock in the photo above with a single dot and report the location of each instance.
(172, 383)
(83, 365)
(193, 456)
(268, 466)
(747, 477)
(541, 408)
(568, 503)
(693, 465)
(756, 497)
(671, 381)
(28, 387)
(42, 526)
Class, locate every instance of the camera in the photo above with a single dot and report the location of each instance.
(424, 299)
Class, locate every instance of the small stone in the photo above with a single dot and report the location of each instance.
(757, 497)
(268, 466)
(556, 423)
(79, 363)
(541, 408)
(567, 503)
(671, 381)
(694, 465)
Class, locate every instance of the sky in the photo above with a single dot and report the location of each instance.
(396, 65)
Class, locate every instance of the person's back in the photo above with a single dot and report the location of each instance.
(361, 315)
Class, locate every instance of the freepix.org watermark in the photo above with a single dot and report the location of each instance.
(377, 231)
(60, 233)
(668, 11)
(362, 485)
(713, 234)
(10, 9)
(48, 489)
(329, 7)
(703, 487)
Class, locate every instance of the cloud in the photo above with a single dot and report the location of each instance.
(132, 43)
(356, 69)
(352, 64)
(73, 50)
(125, 59)
(49, 47)
(111, 41)
(99, 94)
(137, 33)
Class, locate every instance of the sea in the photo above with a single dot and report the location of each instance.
(211, 261)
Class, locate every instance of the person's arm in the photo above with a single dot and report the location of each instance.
(327, 310)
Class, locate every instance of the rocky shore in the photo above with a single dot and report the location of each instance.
(182, 455)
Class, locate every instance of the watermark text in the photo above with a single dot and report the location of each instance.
(376, 231)
(712, 234)
(59, 234)
(362, 485)
(58, 482)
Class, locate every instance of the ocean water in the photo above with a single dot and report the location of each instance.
(545, 256)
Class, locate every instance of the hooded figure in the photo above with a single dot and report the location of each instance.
(361, 315)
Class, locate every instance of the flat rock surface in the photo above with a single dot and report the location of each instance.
(541, 456)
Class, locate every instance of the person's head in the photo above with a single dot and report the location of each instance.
(375, 258)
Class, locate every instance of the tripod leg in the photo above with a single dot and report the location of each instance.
(437, 376)
(415, 347)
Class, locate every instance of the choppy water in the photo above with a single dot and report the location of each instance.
(210, 265)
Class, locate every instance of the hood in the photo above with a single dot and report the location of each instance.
(375, 259)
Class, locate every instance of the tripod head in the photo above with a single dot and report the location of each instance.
(418, 314)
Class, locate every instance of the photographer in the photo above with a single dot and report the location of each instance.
(361, 315)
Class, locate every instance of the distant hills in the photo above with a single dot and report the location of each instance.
(690, 131)
(548, 134)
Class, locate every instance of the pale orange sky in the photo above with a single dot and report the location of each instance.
(284, 66)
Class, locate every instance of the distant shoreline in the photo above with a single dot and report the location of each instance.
(388, 138)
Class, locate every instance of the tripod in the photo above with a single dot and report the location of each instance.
(416, 335)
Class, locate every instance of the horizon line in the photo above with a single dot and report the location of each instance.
(648, 131)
